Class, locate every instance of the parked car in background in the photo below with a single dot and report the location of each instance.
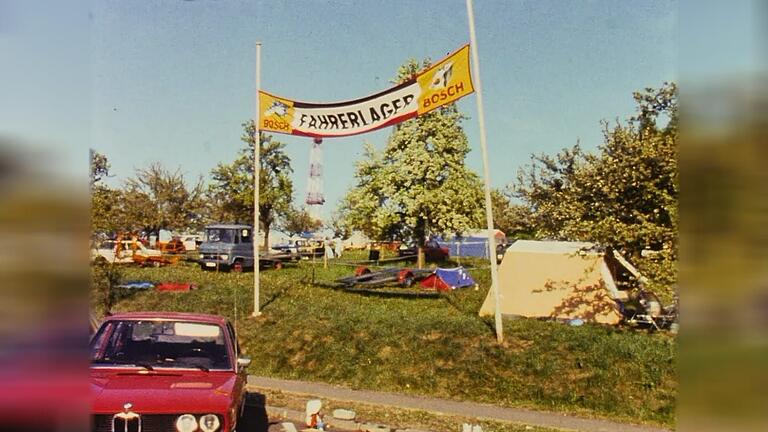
(302, 248)
(164, 371)
(432, 251)
(122, 251)
(173, 246)
(191, 241)
(227, 247)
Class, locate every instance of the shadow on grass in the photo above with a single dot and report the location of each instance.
(389, 292)
(273, 297)
(255, 417)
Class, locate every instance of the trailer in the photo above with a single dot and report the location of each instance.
(277, 260)
(403, 277)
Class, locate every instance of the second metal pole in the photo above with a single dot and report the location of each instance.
(486, 173)
(256, 178)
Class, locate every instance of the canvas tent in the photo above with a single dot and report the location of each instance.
(564, 280)
(448, 279)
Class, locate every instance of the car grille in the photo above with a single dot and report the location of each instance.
(149, 423)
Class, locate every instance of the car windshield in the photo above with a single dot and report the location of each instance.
(222, 235)
(167, 344)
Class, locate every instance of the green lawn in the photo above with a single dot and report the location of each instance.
(427, 346)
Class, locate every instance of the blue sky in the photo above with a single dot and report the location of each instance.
(172, 80)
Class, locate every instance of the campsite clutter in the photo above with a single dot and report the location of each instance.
(438, 279)
(313, 418)
(127, 248)
(575, 282)
(161, 286)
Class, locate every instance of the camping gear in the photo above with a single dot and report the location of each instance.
(175, 286)
(645, 309)
(374, 254)
(448, 279)
(136, 284)
(559, 280)
(312, 416)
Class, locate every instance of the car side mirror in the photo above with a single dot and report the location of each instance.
(243, 362)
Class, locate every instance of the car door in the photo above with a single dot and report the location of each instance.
(240, 381)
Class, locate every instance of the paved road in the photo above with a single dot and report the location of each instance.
(449, 407)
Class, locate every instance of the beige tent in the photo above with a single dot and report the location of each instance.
(563, 280)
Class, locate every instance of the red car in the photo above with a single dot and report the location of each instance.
(432, 251)
(164, 371)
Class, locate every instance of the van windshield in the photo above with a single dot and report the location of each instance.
(219, 235)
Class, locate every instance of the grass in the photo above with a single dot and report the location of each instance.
(428, 346)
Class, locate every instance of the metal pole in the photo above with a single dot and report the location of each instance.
(486, 173)
(256, 175)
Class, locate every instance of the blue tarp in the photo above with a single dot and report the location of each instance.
(455, 278)
(467, 247)
(134, 284)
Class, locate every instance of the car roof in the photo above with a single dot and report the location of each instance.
(170, 316)
(229, 226)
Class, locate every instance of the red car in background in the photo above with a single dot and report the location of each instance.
(433, 252)
(166, 371)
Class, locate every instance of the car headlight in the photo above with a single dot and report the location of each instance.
(209, 423)
(186, 423)
(224, 256)
(202, 256)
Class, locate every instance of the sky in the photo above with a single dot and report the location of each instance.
(171, 81)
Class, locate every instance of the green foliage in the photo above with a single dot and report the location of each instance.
(157, 198)
(104, 279)
(514, 219)
(154, 199)
(99, 167)
(625, 197)
(338, 225)
(419, 185)
(103, 198)
(297, 221)
(231, 193)
(428, 346)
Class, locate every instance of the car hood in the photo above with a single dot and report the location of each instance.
(162, 391)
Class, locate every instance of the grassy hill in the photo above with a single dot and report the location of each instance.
(435, 346)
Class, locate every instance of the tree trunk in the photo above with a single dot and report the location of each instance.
(420, 232)
(420, 258)
(265, 245)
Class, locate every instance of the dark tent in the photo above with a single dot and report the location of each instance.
(448, 279)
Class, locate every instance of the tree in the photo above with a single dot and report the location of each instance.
(297, 221)
(514, 219)
(104, 200)
(626, 196)
(419, 185)
(158, 199)
(232, 188)
(338, 226)
(99, 167)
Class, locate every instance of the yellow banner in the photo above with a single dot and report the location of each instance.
(276, 114)
(444, 82)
